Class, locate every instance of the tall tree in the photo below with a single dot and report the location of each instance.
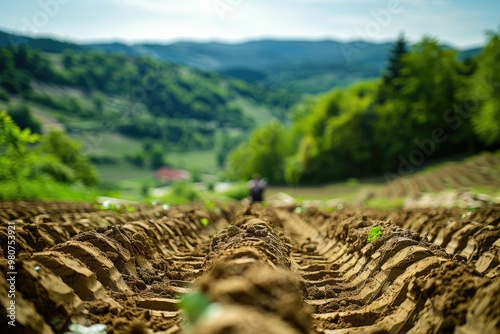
(427, 88)
(336, 142)
(390, 85)
(264, 153)
(486, 87)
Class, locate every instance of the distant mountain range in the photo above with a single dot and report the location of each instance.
(300, 66)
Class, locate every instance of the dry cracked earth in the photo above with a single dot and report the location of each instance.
(269, 270)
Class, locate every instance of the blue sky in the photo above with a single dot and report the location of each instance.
(460, 23)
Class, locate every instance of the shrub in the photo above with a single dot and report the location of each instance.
(238, 191)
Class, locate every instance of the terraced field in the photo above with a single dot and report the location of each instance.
(479, 171)
(264, 270)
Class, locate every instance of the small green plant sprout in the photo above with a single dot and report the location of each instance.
(469, 213)
(299, 209)
(204, 221)
(374, 233)
(195, 305)
(82, 329)
(55, 322)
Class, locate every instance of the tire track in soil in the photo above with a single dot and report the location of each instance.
(272, 271)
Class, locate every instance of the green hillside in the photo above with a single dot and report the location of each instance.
(138, 97)
(134, 114)
(298, 66)
(427, 105)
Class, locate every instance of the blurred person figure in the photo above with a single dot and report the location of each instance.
(256, 188)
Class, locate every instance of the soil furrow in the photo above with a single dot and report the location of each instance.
(263, 270)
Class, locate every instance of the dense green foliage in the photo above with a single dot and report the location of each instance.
(52, 169)
(21, 115)
(485, 87)
(68, 152)
(237, 191)
(224, 144)
(336, 134)
(264, 153)
(165, 89)
(428, 105)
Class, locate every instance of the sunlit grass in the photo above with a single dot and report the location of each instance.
(384, 203)
(193, 160)
(347, 191)
(46, 189)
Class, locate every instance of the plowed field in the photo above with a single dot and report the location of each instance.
(267, 270)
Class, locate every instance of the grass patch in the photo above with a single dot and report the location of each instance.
(194, 160)
(126, 179)
(261, 114)
(488, 190)
(385, 203)
(348, 191)
(238, 191)
(111, 143)
(123, 172)
(181, 193)
(45, 189)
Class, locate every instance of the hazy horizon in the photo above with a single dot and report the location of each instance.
(460, 24)
(228, 42)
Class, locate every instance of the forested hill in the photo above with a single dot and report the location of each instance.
(138, 96)
(299, 66)
(427, 105)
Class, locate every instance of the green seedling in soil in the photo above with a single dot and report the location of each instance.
(195, 305)
(470, 212)
(55, 322)
(374, 233)
(204, 221)
(82, 329)
(299, 209)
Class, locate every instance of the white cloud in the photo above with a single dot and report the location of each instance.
(458, 21)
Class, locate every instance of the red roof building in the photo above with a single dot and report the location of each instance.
(167, 174)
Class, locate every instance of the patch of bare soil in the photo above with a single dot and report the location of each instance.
(268, 270)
